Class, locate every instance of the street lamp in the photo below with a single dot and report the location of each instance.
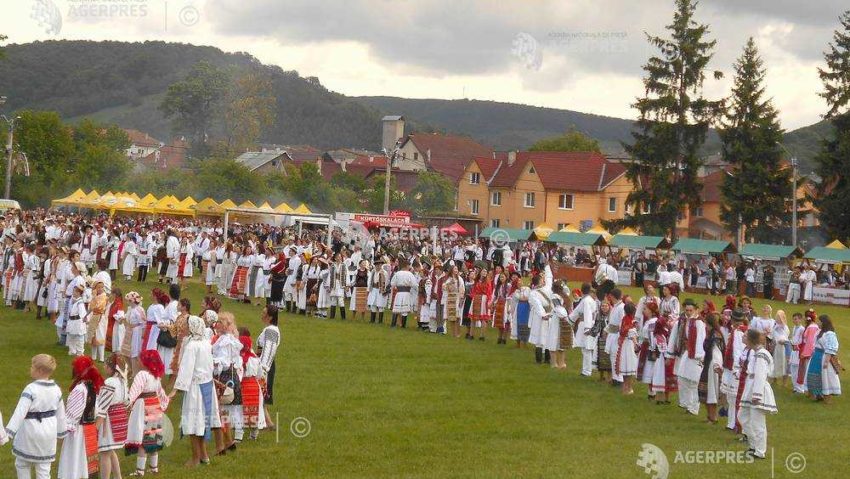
(794, 201)
(391, 156)
(9, 152)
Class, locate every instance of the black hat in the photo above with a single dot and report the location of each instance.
(689, 302)
(738, 315)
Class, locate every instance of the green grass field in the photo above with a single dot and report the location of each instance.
(385, 403)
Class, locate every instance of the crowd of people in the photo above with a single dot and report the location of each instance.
(66, 268)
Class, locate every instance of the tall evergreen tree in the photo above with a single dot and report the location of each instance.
(674, 119)
(754, 192)
(833, 163)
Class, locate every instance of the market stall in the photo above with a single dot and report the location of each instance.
(580, 240)
(779, 257)
(695, 249)
(836, 256)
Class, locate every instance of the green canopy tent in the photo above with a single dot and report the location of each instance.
(639, 242)
(770, 252)
(826, 255)
(576, 239)
(701, 246)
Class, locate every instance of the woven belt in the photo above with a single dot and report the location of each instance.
(38, 416)
(403, 289)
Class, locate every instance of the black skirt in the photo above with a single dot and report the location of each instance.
(268, 397)
(276, 295)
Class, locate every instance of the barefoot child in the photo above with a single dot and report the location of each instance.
(38, 420)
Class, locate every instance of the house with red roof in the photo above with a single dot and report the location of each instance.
(527, 188)
(445, 154)
(141, 144)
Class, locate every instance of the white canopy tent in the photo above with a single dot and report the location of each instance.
(299, 219)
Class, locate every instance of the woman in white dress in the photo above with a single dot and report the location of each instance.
(781, 337)
(135, 330)
(81, 441)
(130, 252)
(209, 262)
(112, 416)
(227, 370)
(199, 414)
(626, 361)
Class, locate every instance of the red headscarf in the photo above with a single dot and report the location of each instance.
(730, 302)
(652, 306)
(84, 370)
(246, 352)
(151, 361)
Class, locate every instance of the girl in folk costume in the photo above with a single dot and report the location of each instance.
(601, 359)
(794, 361)
(757, 399)
(79, 458)
(378, 284)
(648, 353)
(360, 290)
(337, 282)
(822, 377)
(627, 341)
(133, 343)
(469, 282)
(38, 420)
(520, 328)
(482, 295)
(452, 300)
(560, 330)
(732, 351)
(423, 276)
(781, 345)
(253, 416)
(185, 263)
(669, 305)
(32, 274)
(97, 322)
(154, 316)
(208, 261)
(115, 328)
(270, 261)
(112, 417)
(113, 252)
(225, 260)
(323, 299)
(47, 256)
(239, 283)
(663, 376)
(301, 292)
(199, 414)
(144, 247)
(255, 274)
(648, 297)
(180, 330)
(227, 371)
(148, 403)
(130, 254)
(501, 293)
(709, 381)
(807, 348)
(311, 285)
(268, 343)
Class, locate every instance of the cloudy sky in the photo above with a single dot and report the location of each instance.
(582, 55)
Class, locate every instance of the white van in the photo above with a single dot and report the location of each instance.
(6, 205)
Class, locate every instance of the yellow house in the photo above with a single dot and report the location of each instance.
(526, 189)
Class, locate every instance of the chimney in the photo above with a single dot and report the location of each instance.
(428, 155)
(511, 158)
(393, 129)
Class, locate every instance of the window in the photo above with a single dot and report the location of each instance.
(474, 206)
(561, 226)
(698, 211)
(529, 200)
(680, 216)
(529, 225)
(415, 155)
(496, 198)
(565, 202)
(612, 205)
(494, 223)
(531, 169)
(474, 178)
(645, 209)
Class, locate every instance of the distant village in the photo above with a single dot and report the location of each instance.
(503, 189)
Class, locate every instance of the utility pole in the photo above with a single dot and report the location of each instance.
(794, 201)
(391, 156)
(9, 151)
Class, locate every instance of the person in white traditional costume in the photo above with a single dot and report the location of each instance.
(254, 417)
(336, 285)
(78, 459)
(378, 283)
(712, 370)
(649, 353)
(822, 379)
(691, 355)
(757, 399)
(540, 310)
(227, 370)
(780, 335)
(625, 362)
(145, 247)
(615, 320)
(76, 326)
(268, 342)
(148, 403)
(38, 421)
(404, 284)
(584, 317)
(734, 336)
(131, 253)
(807, 282)
(292, 269)
(796, 339)
(172, 253)
(199, 414)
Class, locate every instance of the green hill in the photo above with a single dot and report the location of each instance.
(124, 83)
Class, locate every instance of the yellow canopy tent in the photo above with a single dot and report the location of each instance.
(543, 231)
(129, 205)
(170, 205)
(208, 207)
(569, 229)
(266, 207)
(284, 208)
(148, 200)
(188, 202)
(303, 210)
(599, 230)
(227, 204)
(836, 245)
(628, 232)
(248, 204)
(135, 197)
(73, 199)
(91, 200)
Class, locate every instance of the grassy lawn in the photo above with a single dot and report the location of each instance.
(395, 403)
